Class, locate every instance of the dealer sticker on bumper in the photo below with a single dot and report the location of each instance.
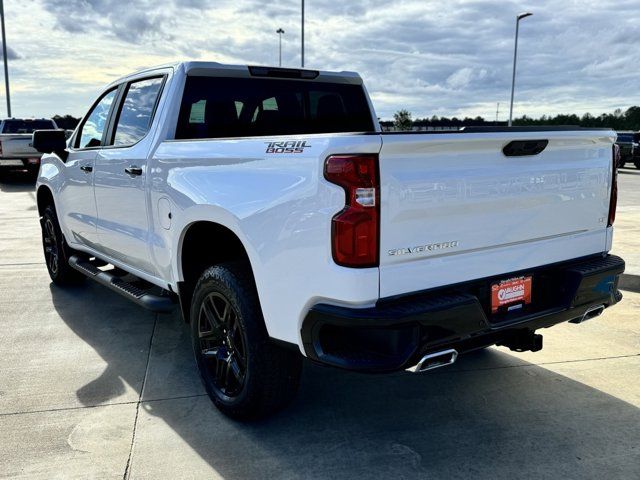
(514, 291)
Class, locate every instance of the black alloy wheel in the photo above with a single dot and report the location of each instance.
(246, 374)
(50, 245)
(56, 251)
(223, 348)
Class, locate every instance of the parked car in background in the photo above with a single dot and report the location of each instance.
(635, 150)
(15, 142)
(625, 142)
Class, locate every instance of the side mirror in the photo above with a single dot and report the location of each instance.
(50, 141)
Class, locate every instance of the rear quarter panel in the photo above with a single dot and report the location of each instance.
(279, 206)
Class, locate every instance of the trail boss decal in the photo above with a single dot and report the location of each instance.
(290, 146)
(423, 248)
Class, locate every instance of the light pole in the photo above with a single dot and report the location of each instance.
(6, 65)
(302, 44)
(280, 32)
(515, 56)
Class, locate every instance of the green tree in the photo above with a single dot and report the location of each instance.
(402, 120)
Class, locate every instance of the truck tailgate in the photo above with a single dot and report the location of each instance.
(455, 208)
(17, 146)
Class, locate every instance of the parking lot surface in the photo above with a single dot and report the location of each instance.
(92, 386)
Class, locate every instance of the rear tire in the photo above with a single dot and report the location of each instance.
(245, 374)
(56, 251)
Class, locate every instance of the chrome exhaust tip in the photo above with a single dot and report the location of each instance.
(435, 360)
(592, 312)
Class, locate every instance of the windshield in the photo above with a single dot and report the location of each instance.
(27, 126)
(625, 138)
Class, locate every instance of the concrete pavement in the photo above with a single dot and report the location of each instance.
(92, 386)
(626, 241)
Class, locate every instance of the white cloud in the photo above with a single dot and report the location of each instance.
(464, 78)
(429, 57)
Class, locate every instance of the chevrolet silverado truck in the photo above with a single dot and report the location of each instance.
(15, 142)
(268, 204)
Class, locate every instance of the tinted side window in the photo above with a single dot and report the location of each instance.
(136, 112)
(93, 127)
(245, 107)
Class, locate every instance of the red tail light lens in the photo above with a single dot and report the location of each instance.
(613, 202)
(355, 229)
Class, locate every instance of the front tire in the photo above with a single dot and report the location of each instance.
(56, 251)
(244, 373)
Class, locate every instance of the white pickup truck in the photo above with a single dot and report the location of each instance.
(267, 202)
(15, 142)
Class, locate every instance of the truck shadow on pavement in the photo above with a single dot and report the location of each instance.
(630, 282)
(629, 171)
(491, 415)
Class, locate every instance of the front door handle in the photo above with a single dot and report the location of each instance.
(133, 170)
(86, 168)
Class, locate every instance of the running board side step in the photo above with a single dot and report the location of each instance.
(144, 298)
(435, 360)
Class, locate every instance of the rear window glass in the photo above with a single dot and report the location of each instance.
(27, 126)
(625, 137)
(245, 107)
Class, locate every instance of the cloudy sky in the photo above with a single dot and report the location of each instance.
(432, 57)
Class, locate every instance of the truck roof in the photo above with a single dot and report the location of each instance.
(202, 68)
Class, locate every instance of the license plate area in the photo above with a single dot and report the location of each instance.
(511, 294)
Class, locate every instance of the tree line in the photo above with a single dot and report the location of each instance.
(618, 120)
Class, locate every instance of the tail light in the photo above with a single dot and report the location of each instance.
(613, 202)
(355, 229)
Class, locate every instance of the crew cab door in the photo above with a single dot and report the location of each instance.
(121, 173)
(76, 204)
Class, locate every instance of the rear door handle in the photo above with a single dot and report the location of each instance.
(86, 168)
(133, 170)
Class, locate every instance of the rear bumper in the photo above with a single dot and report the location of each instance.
(397, 332)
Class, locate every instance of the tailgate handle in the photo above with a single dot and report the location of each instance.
(524, 148)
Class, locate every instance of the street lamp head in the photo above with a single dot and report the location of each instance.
(280, 30)
(524, 15)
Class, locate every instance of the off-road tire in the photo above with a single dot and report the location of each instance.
(268, 376)
(56, 251)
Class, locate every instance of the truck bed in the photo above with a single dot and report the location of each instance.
(17, 146)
